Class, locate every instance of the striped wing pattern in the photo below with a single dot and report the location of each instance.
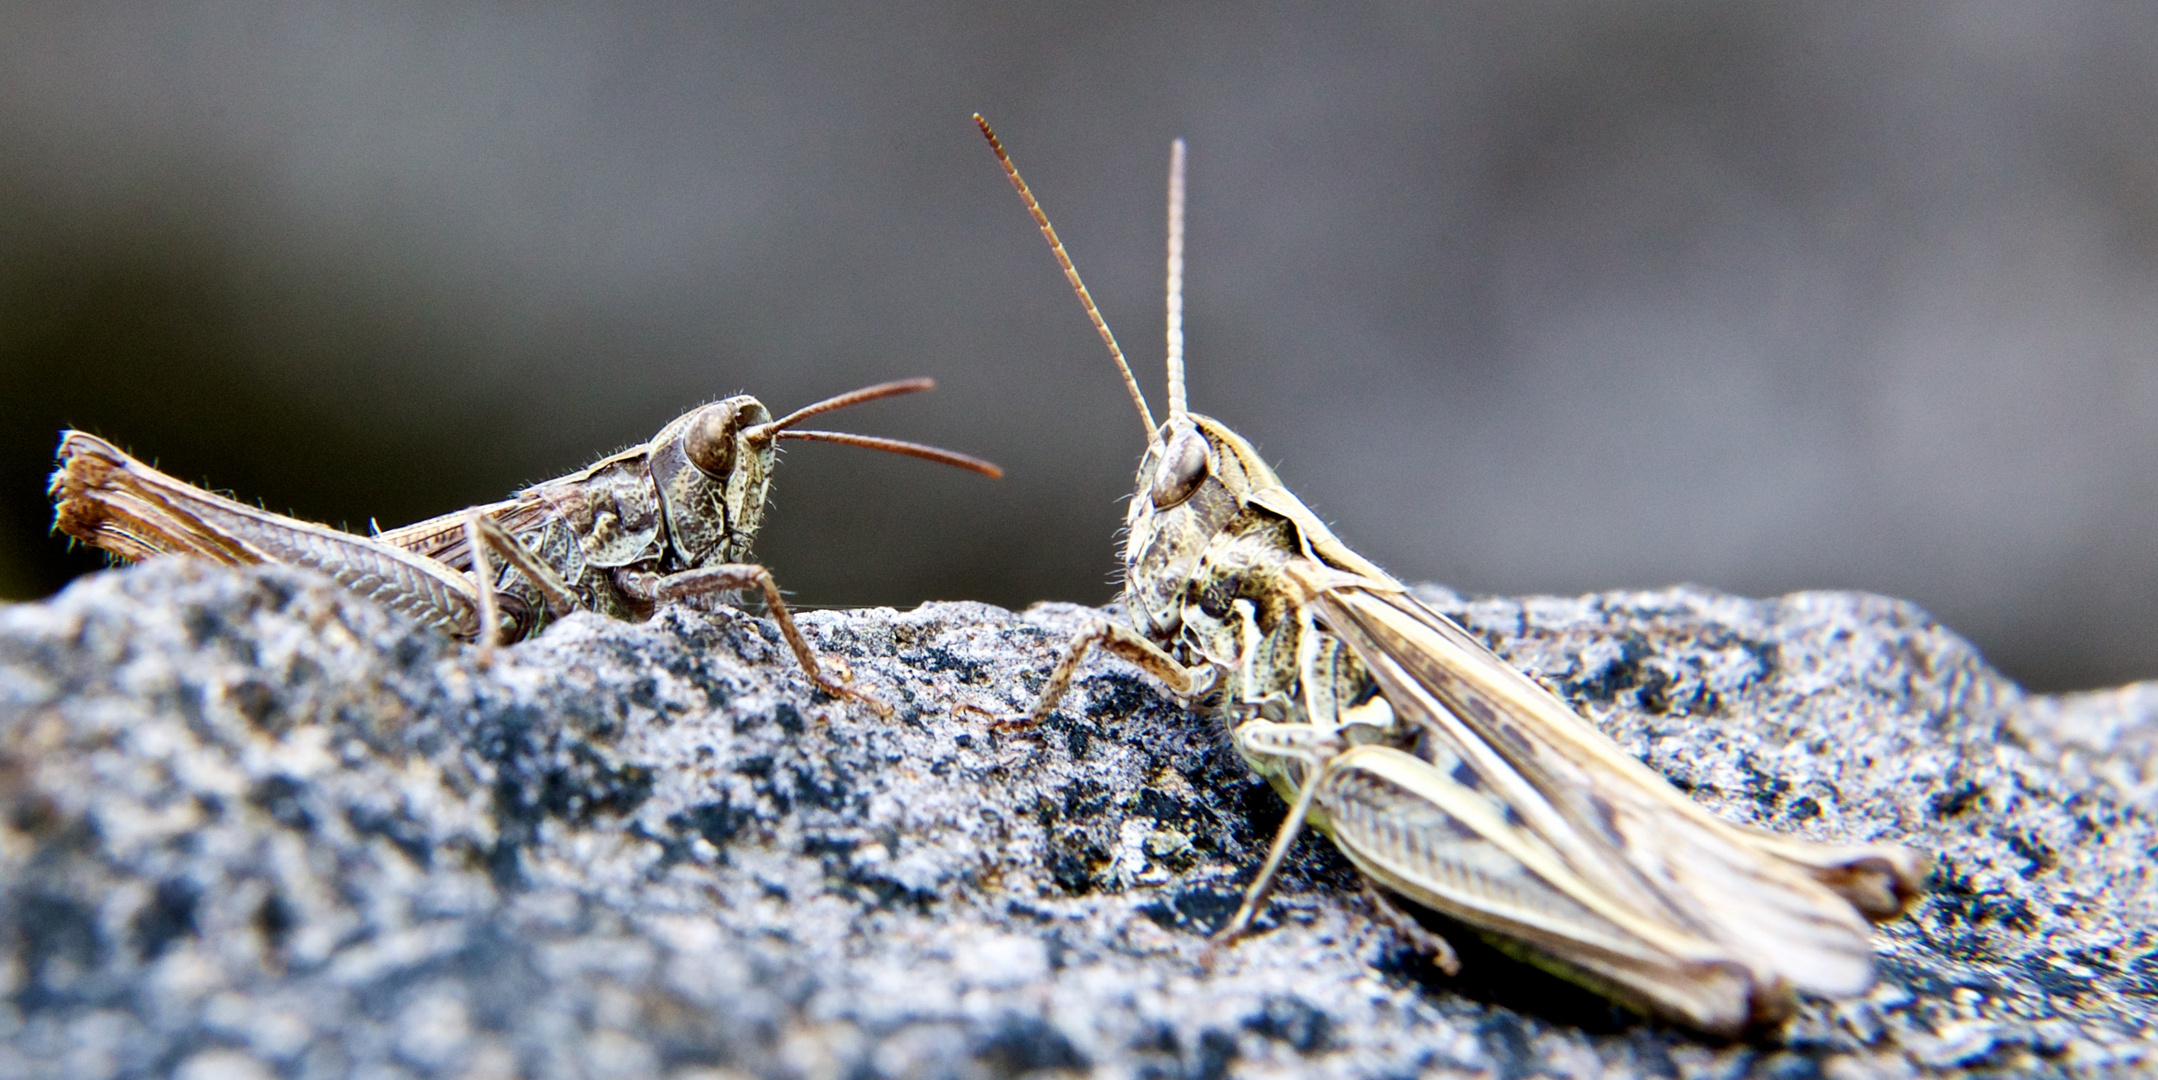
(443, 538)
(1594, 856)
(133, 510)
(1422, 834)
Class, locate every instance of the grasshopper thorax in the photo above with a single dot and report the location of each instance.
(711, 479)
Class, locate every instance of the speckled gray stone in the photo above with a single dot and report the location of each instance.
(256, 827)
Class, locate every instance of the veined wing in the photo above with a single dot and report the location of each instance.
(1420, 831)
(1878, 879)
(443, 538)
(107, 498)
(1618, 823)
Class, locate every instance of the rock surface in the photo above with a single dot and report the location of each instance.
(252, 826)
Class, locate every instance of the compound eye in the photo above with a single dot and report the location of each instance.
(1183, 466)
(709, 442)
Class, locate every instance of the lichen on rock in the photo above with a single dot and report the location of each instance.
(253, 825)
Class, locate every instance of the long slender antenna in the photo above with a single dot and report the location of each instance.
(764, 431)
(779, 429)
(900, 446)
(1176, 284)
(1071, 274)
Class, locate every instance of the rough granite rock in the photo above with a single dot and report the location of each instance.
(255, 826)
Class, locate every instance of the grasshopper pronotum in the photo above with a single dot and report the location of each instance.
(1446, 776)
(669, 519)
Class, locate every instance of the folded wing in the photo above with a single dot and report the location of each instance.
(106, 498)
(1617, 826)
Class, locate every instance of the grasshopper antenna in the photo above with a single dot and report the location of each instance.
(1071, 274)
(1176, 284)
(782, 428)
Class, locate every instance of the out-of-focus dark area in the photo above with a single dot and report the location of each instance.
(1525, 298)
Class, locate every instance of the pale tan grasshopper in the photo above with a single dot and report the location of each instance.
(670, 519)
(1445, 775)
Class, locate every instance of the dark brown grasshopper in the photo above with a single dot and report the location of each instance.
(670, 519)
(1445, 775)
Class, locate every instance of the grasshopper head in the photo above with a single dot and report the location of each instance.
(1191, 486)
(712, 477)
(713, 467)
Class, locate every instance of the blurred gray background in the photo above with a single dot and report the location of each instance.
(1524, 297)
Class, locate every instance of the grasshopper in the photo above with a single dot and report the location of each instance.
(668, 519)
(1446, 776)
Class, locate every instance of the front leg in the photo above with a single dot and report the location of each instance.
(652, 588)
(1123, 642)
